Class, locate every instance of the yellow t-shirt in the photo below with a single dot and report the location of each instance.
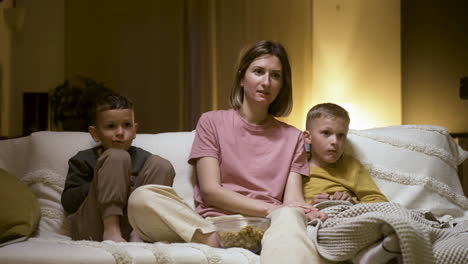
(348, 176)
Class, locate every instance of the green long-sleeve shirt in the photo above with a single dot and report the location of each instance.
(81, 173)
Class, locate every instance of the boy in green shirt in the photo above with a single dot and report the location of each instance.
(333, 174)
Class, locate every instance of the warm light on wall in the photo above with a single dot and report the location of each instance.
(357, 116)
(349, 67)
(361, 118)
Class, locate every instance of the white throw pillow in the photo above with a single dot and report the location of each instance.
(48, 167)
(414, 165)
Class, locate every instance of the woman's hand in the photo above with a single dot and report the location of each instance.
(272, 207)
(310, 211)
(300, 204)
(294, 197)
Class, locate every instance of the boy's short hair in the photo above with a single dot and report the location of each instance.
(326, 110)
(110, 102)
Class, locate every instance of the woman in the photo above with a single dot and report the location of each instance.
(247, 163)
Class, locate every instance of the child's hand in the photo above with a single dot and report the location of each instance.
(338, 196)
(314, 214)
(318, 198)
(341, 196)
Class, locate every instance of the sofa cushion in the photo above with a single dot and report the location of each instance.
(19, 209)
(175, 147)
(47, 186)
(415, 166)
(47, 170)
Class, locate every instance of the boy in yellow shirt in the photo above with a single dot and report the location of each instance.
(333, 174)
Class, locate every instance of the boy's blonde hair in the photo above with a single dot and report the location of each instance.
(326, 110)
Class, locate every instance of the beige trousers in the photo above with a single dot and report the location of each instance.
(157, 213)
(286, 241)
(110, 189)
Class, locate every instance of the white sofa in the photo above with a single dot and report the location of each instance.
(415, 166)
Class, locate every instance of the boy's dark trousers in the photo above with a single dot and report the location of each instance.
(109, 191)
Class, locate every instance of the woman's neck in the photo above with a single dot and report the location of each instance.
(252, 115)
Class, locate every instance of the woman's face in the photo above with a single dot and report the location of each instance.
(263, 80)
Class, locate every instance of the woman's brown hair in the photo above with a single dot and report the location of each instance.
(282, 105)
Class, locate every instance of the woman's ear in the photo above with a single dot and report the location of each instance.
(94, 134)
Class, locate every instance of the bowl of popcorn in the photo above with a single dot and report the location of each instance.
(246, 232)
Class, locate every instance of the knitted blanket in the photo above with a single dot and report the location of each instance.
(351, 229)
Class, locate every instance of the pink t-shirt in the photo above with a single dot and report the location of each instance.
(254, 160)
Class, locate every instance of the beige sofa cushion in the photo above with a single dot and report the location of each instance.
(19, 209)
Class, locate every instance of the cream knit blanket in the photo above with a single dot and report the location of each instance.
(422, 239)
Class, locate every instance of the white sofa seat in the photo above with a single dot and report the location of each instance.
(51, 251)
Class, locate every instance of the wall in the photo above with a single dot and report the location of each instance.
(5, 69)
(356, 59)
(38, 53)
(176, 59)
(136, 48)
(33, 57)
(335, 48)
(235, 25)
(435, 57)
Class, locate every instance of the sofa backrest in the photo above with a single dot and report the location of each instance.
(52, 150)
(47, 167)
(415, 166)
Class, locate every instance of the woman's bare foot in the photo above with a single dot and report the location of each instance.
(134, 237)
(210, 239)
